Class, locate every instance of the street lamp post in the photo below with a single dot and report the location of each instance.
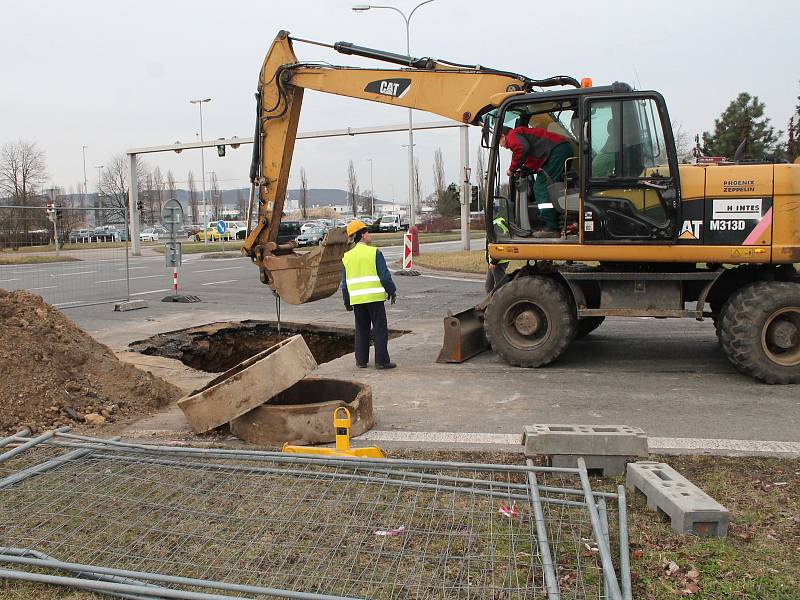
(371, 191)
(200, 102)
(85, 183)
(407, 19)
(97, 204)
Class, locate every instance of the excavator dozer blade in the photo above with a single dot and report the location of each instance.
(300, 278)
(463, 336)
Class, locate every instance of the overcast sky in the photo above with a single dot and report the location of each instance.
(117, 75)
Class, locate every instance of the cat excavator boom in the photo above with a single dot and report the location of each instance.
(460, 92)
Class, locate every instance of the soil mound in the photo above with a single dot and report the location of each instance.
(53, 373)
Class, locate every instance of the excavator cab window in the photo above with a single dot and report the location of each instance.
(631, 187)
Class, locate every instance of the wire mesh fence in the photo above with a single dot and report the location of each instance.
(71, 256)
(146, 521)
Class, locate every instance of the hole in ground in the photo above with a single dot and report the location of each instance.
(217, 347)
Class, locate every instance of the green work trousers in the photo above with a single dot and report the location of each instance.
(554, 167)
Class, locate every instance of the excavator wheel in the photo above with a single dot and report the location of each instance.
(759, 331)
(530, 321)
(587, 325)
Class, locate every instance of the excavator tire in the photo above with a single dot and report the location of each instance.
(530, 321)
(759, 331)
(587, 325)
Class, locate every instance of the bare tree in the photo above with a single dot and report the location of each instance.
(194, 218)
(149, 199)
(417, 182)
(22, 171)
(114, 186)
(304, 192)
(216, 197)
(241, 204)
(158, 198)
(352, 187)
(173, 190)
(480, 177)
(439, 181)
(684, 147)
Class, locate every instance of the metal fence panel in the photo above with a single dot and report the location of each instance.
(201, 523)
(69, 256)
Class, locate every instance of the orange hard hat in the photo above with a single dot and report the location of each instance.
(353, 227)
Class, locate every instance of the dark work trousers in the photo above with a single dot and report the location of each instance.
(374, 314)
(495, 277)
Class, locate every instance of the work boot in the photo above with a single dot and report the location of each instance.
(389, 365)
(547, 233)
(362, 365)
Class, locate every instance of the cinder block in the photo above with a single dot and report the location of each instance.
(130, 305)
(689, 508)
(609, 466)
(600, 440)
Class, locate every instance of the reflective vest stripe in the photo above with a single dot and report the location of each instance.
(376, 290)
(542, 205)
(365, 279)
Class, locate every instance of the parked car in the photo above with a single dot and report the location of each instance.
(81, 236)
(309, 225)
(392, 223)
(312, 236)
(288, 231)
(148, 235)
(233, 227)
(375, 226)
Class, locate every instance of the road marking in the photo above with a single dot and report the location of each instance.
(72, 273)
(47, 287)
(151, 292)
(132, 268)
(657, 444)
(222, 269)
(132, 278)
(216, 282)
(462, 279)
(7, 280)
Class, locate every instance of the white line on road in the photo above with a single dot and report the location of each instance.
(72, 273)
(6, 280)
(47, 287)
(131, 268)
(165, 275)
(657, 444)
(222, 269)
(216, 282)
(462, 279)
(151, 292)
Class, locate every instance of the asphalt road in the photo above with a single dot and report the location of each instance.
(667, 376)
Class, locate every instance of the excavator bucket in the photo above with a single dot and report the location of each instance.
(463, 336)
(304, 277)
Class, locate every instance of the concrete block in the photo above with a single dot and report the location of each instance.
(130, 305)
(303, 414)
(585, 440)
(689, 508)
(609, 466)
(247, 385)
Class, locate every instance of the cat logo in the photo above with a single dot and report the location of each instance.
(690, 230)
(395, 88)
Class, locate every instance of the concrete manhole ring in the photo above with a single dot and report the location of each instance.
(303, 413)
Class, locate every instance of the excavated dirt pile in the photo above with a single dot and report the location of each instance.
(53, 373)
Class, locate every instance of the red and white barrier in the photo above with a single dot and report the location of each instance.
(175, 280)
(407, 251)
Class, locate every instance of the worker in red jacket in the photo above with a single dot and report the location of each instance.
(538, 150)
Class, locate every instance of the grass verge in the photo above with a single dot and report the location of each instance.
(34, 259)
(231, 247)
(473, 261)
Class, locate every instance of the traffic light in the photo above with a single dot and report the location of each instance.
(140, 206)
(475, 201)
(59, 214)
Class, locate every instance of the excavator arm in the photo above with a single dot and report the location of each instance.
(459, 92)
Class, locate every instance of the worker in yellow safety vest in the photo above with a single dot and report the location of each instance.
(496, 274)
(366, 284)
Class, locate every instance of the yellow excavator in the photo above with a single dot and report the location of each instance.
(640, 235)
